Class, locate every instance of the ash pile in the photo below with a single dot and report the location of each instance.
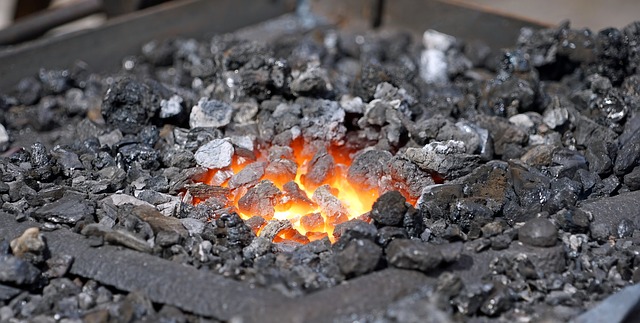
(524, 166)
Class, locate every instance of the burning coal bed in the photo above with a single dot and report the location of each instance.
(297, 193)
(503, 183)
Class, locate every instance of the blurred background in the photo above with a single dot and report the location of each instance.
(594, 15)
(28, 19)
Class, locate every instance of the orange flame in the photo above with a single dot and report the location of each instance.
(309, 221)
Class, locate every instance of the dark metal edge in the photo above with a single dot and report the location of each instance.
(104, 47)
(496, 29)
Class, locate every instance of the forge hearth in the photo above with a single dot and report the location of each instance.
(305, 171)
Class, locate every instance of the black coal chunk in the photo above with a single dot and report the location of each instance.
(414, 254)
(565, 163)
(389, 209)
(368, 168)
(41, 162)
(503, 132)
(54, 81)
(138, 155)
(507, 98)
(632, 179)
(538, 232)
(129, 105)
(67, 210)
(331, 206)
(260, 200)
(469, 214)
(531, 188)
(387, 234)
(563, 194)
(353, 230)
(406, 177)
(490, 185)
(320, 168)
(447, 159)
(359, 257)
(67, 160)
(249, 175)
(28, 91)
(231, 231)
(599, 156)
(573, 220)
(14, 270)
(611, 49)
(118, 236)
(293, 195)
(628, 155)
(282, 170)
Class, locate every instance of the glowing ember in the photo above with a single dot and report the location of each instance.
(303, 186)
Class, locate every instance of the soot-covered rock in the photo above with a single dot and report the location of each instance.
(30, 246)
(212, 113)
(215, 154)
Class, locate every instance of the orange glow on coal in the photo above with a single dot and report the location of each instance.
(309, 221)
